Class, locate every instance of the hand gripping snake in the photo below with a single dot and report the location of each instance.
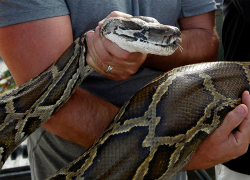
(156, 132)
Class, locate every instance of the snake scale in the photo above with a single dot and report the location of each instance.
(156, 132)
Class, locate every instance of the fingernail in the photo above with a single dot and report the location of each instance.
(101, 22)
(89, 35)
(241, 110)
(97, 28)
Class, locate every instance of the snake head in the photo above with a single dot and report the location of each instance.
(142, 34)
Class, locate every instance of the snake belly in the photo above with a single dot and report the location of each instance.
(153, 135)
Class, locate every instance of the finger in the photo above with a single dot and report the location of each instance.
(243, 133)
(246, 101)
(91, 54)
(111, 54)
(114, 14)
(103, 58)
(115, 50)
(95, 50)
(96, 64)
(102, 55)
(120, 53)
(231, 121)
(106, 48)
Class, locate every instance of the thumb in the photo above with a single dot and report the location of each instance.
(232, 120)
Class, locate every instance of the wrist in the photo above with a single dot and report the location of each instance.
(82, 119)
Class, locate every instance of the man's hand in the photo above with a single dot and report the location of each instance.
(103, 53)
(225, 144)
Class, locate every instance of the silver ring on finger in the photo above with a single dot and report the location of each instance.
(109, 69)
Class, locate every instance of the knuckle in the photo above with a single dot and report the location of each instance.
(99, 64)
(105, 58)
(114, 13)
(244, 149)
(113, 77)
(119, 13)
(231, 118)
(219, 135)
(124, 77)
(132, 70)
(124, 55)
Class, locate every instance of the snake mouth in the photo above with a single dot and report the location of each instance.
(171, 41)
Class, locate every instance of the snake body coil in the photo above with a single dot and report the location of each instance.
(154, 134)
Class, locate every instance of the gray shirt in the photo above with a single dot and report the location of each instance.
(47, 152)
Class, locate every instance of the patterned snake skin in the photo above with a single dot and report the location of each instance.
(153, 135)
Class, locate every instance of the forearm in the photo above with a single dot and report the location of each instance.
(28, 49)
(198, 46)
(83, 118)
